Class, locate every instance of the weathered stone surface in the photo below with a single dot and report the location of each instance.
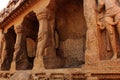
(60, 39)
(111, 19)
(31, 47)
(71, 27)
(21, 76)
(92, 45)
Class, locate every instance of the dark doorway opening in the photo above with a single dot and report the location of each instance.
(9, 40)
(31, 26)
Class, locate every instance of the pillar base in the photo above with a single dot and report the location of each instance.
(38, 64)
(13, 66)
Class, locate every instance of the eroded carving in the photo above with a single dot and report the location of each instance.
(20, 54)
(46, 41)
(112, 11)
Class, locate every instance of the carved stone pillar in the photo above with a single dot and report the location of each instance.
(92, 52)
(3, 52)
(20, 60)
(46, 45)
(2, 47)
(1, 35)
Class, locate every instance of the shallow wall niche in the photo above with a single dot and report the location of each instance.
(8, 48)
(71, 27)
(31, 26)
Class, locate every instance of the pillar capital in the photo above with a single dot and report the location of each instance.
(42, 15)
(18, 29)
(45, 14)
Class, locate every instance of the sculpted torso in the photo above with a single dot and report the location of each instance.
(112, 9)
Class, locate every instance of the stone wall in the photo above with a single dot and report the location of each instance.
(71, 27)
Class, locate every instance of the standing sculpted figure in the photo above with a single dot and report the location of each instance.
(112, 10)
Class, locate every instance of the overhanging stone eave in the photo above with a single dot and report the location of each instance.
(11, 15)
(16, 12)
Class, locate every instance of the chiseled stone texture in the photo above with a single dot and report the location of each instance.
(71, 29)
(21, 76)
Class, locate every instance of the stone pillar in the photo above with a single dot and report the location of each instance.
(46, 44)
(20, 60)
(2, 47)
(92, 52)
(3, 51)
(1, 35)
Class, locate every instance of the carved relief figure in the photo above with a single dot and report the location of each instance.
(111, 10)
(109, 33)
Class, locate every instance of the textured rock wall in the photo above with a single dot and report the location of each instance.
(71, 28)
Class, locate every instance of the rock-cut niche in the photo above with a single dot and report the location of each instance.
(71, 28)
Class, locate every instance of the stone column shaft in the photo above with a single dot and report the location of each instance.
(45, 46)
(20, 54)
(42, 40)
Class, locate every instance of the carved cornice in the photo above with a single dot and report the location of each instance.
(18, 9)
(15, 12)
